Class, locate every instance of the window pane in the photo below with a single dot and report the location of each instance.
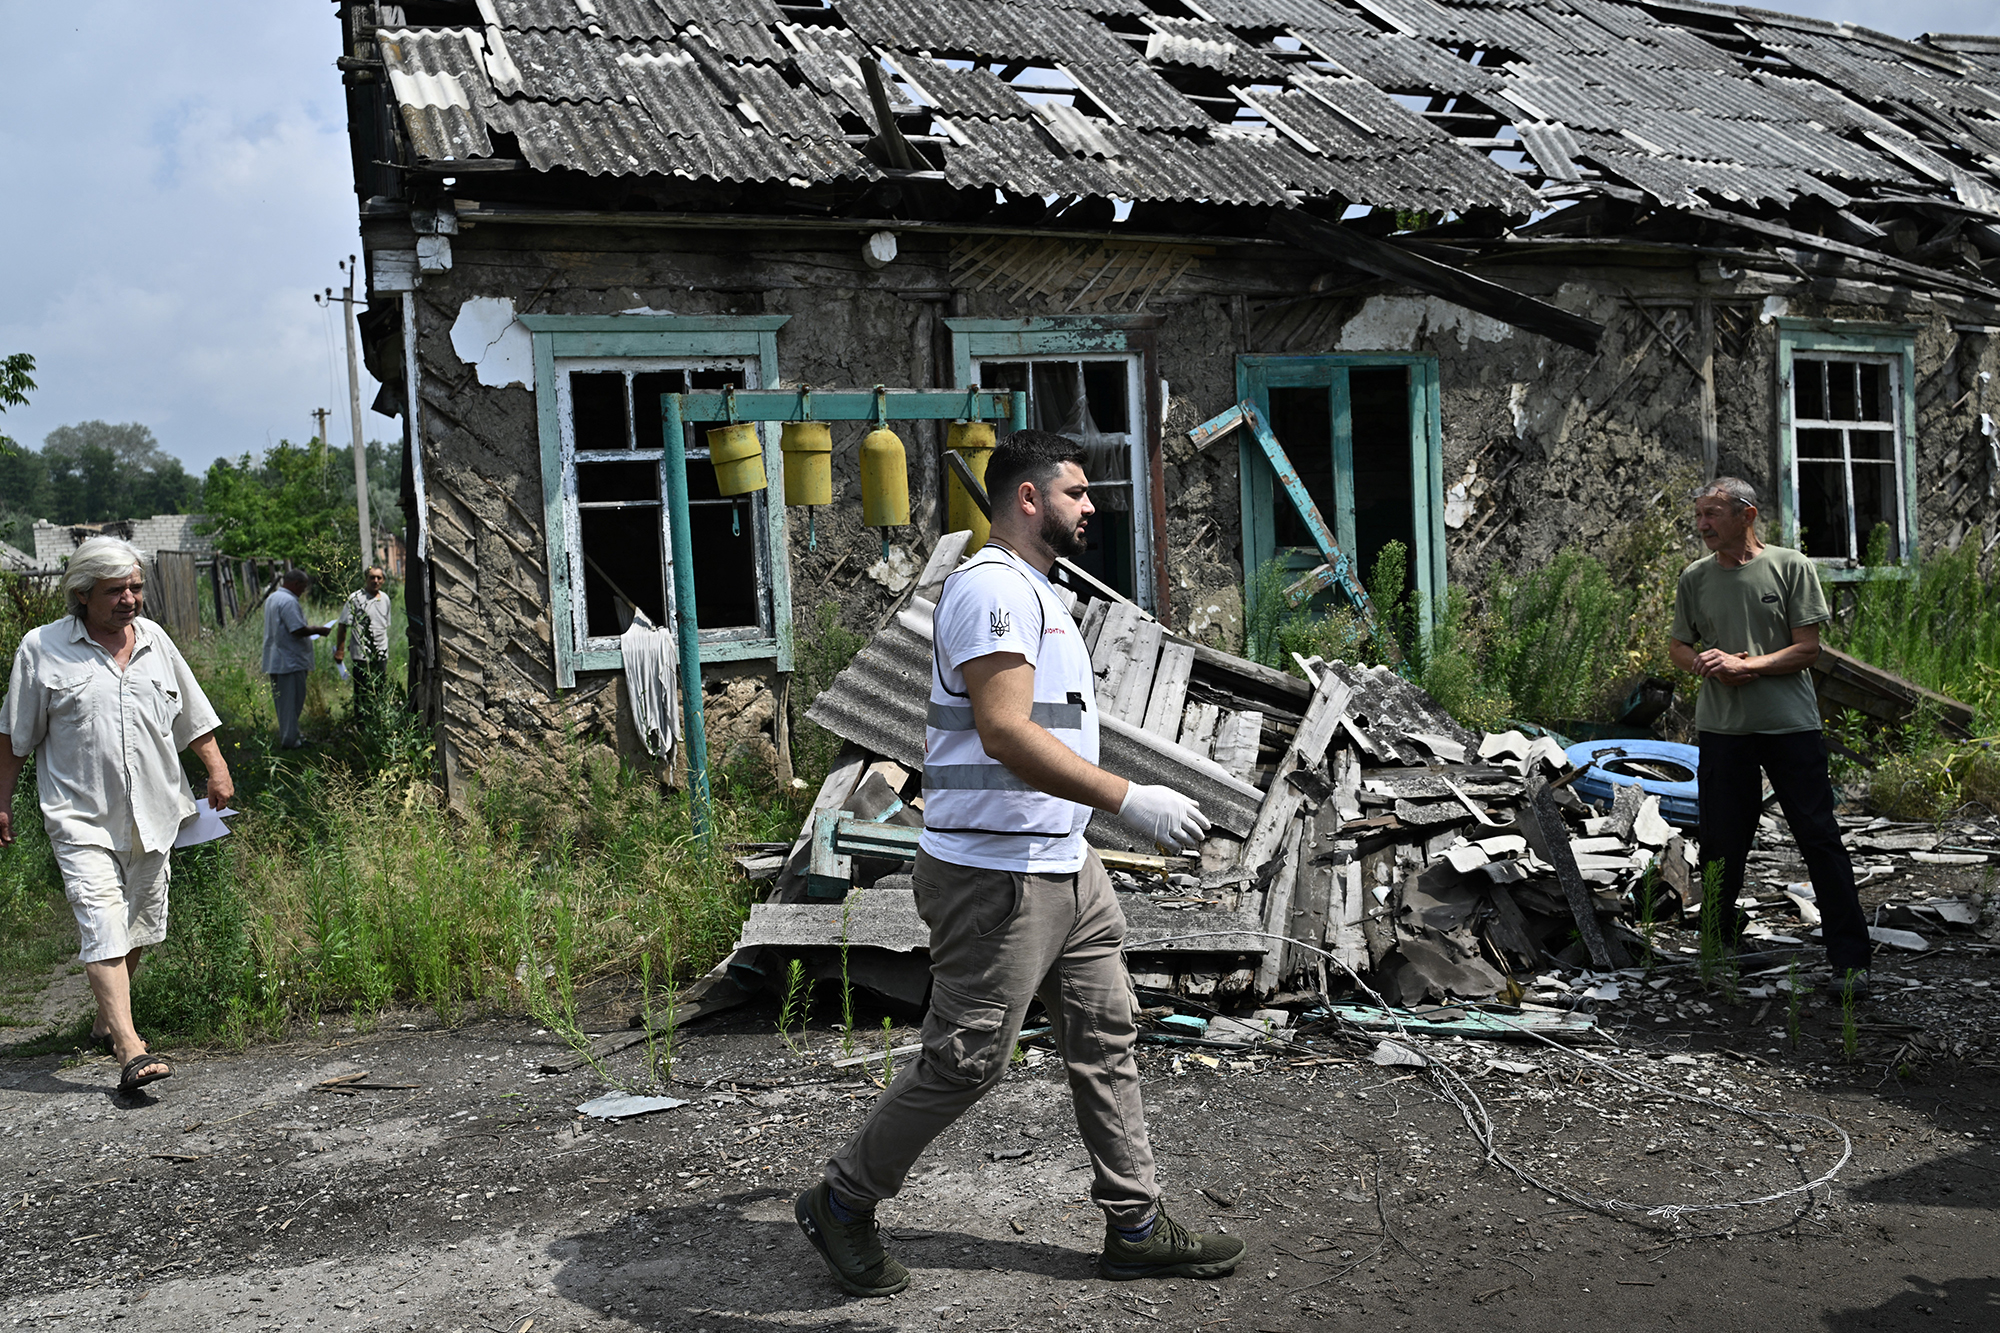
(596, 482)
(1843, 391)
(1808, 390)
(1874, 393)
(1384, 493)
(1875, 507)
(1106, 389)
(1056, 397)
(1302, 421)
(1824, 444)
(647, 386)
(1011, 375)
(597, 409)
(1874, 444)
(724, 537)
(1823, 510)
(1108, 543)
(621, 546)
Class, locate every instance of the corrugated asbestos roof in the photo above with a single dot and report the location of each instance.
(1255, 102)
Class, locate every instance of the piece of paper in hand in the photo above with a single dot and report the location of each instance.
(341, 667)
(206, 826)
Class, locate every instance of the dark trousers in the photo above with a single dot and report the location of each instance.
(1731, 801)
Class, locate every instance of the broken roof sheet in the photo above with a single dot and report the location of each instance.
(1249, 101)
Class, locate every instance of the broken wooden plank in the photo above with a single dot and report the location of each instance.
(1278, 909)
(1092, 623)
(1548, 834)
(1135, 684)
(1463, 1021)
(1308, 749)
(1236, 739)
(1170, 682)
(841, 780)
(1198, 728)
(1111, 655)
(1849, 682)
(945, 557)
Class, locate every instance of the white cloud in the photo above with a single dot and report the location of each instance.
(179, 189)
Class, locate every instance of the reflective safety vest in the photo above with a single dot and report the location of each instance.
(976, 811)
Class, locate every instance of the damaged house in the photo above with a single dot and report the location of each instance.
(1488, 271)
(1485, 276)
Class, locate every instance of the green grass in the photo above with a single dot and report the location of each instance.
(1937, 625)
(1562, 640)
(573, 884)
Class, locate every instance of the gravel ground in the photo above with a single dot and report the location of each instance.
(456, 1188)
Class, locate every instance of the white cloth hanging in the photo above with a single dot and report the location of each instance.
(652, 679)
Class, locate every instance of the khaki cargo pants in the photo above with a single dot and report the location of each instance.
(998, 940)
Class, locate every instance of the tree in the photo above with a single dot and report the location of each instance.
(289, 506)
(99, 472)
(15, 386)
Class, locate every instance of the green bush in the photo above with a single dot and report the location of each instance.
(1937, 625)
(821, 651)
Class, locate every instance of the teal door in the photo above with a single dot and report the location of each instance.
(1363, 434)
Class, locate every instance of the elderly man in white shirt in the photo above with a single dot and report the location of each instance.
(288, 653)
(105, 703)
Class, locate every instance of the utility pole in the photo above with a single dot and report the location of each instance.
(319, 424)
(354, 402)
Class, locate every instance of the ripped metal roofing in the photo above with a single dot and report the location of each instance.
(1433, 104)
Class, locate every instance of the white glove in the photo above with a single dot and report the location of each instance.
(1164, 815)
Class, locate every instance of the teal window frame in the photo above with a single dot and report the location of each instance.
(1062, 336)
(1258, 486)
(562, 338)
(1817, 338)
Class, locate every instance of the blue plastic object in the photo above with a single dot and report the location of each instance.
(1648, 765)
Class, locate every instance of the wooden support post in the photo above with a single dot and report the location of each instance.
(1711, 433)
(1549, 836)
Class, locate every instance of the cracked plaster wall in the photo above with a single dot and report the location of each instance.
(1552, 445)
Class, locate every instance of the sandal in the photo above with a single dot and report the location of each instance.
(129, 1080)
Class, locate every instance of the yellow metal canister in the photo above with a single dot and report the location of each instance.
(885, 480)
(737, 454)
(808, 447)
(974, 442)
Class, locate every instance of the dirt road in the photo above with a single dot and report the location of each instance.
(457, 1189)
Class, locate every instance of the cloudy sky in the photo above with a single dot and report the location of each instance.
(178, 188)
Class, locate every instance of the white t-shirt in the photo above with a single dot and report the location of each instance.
(976, 812)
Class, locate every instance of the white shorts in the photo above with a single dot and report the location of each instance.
(119, 898)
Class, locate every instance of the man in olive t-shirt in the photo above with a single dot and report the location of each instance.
(1757, 609)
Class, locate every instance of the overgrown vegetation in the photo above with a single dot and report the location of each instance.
(821, 649)
(564, 884)
(1564, 640)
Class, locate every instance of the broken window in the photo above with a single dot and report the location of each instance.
(1096, 401)
(1360, 435)
(620, 552)
(1846, 465)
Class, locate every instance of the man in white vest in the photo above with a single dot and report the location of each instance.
(1018, 905)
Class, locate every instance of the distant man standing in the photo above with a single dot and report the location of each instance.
(288, 653)
(1018, 905)
(367, 610)
(1757, 610)
(105, 703)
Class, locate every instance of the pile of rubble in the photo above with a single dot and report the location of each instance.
(1356, 828)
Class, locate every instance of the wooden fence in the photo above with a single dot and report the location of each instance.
(173, 596)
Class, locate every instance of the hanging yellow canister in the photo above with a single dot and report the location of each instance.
(885, 480)
(808, 447)
(737, 454)
(974, 442)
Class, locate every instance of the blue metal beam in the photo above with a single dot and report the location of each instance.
(1336, 570)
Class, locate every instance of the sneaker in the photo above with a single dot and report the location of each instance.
(1170, 1251)
(849, 1250)
(1851, 984)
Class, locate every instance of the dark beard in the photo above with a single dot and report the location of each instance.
(1064, 541)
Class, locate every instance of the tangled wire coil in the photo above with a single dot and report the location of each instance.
(1455, 1090)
